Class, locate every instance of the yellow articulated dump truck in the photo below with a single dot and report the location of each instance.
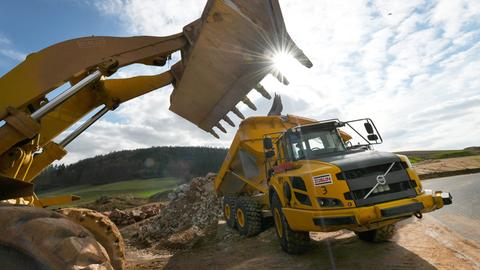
(318, 176)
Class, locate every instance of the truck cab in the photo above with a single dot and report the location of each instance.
(323, 176)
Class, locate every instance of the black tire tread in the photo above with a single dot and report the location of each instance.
(253, 216)
(295, 242)
(231, 200)
(50, 239)
(382, 234)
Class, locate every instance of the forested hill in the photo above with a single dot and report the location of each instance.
(178, 162)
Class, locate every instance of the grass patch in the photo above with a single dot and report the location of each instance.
(414, 159)
(143, 188)
(453, 153)
(417, 156)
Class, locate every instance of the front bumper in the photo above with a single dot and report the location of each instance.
(367, 217)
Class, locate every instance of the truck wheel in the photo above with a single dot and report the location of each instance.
(292, 242)
(47, 240)
(229, 210)
(248, 216)
(104, 230)
(382, 234)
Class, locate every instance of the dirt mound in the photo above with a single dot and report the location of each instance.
(161, 196)
(106, 203)
(193, 213)
(133, 215)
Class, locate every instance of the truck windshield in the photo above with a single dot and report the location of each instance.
(314, 143)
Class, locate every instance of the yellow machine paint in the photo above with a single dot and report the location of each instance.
(352, 187)
(224, 55)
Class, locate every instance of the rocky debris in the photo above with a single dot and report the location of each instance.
(194, 210)
(179, 192)
(130, 216)
(161, 196)
(107, 203)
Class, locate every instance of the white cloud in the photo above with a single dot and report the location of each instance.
(13, 54)
(412, 66)
(152, 17)
(7, 50)
(4, 40)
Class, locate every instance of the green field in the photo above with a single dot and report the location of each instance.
(139, 188)
(416, 156)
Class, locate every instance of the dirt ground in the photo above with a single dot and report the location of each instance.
(447, 167)
(418, 244)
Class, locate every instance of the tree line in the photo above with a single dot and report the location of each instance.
(181, 163)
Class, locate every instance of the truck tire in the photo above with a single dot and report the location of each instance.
(48, 240)
(382, 234)
(248, 216)
(104, 230)
(229, 210)
(292, 242)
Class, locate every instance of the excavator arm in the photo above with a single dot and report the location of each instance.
(224, 55)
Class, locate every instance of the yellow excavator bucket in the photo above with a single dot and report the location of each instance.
(224, 55)
(231, 51)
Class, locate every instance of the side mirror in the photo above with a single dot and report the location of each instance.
(372, 137)
(269, 154)
(267, 143)
(368, 128)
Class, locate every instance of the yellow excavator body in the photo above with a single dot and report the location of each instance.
(224, 55)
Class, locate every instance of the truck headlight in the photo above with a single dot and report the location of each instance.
(329, 202)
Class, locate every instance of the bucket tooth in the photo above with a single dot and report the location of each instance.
(228, 120)
(214, 134)
(280, 77)
(219, 126)
(249, 103)
(302, 58)
(260, 89)
(238, 113)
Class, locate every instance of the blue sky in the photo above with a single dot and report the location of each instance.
(32, 25)
(411, 66)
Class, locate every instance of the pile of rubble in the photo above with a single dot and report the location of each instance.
(107, 203)
(130, 216)
(194, 208)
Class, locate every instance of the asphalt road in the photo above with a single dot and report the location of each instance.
(463, 216)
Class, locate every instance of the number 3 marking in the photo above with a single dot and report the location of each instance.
(324, 190)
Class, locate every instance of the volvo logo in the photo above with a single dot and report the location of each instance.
(381, 180)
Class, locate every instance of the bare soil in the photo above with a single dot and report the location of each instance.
(418, 244)
(447, 167)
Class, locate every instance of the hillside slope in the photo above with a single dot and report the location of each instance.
(156, 162)
(420, 155)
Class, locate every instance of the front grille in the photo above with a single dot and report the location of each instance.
(395, 187)
(361, 181)
(372, 170)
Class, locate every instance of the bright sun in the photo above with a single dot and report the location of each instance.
(283, 62)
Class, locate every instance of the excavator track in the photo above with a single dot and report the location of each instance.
(104, 230)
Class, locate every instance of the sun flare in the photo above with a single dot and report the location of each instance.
(283, 62)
